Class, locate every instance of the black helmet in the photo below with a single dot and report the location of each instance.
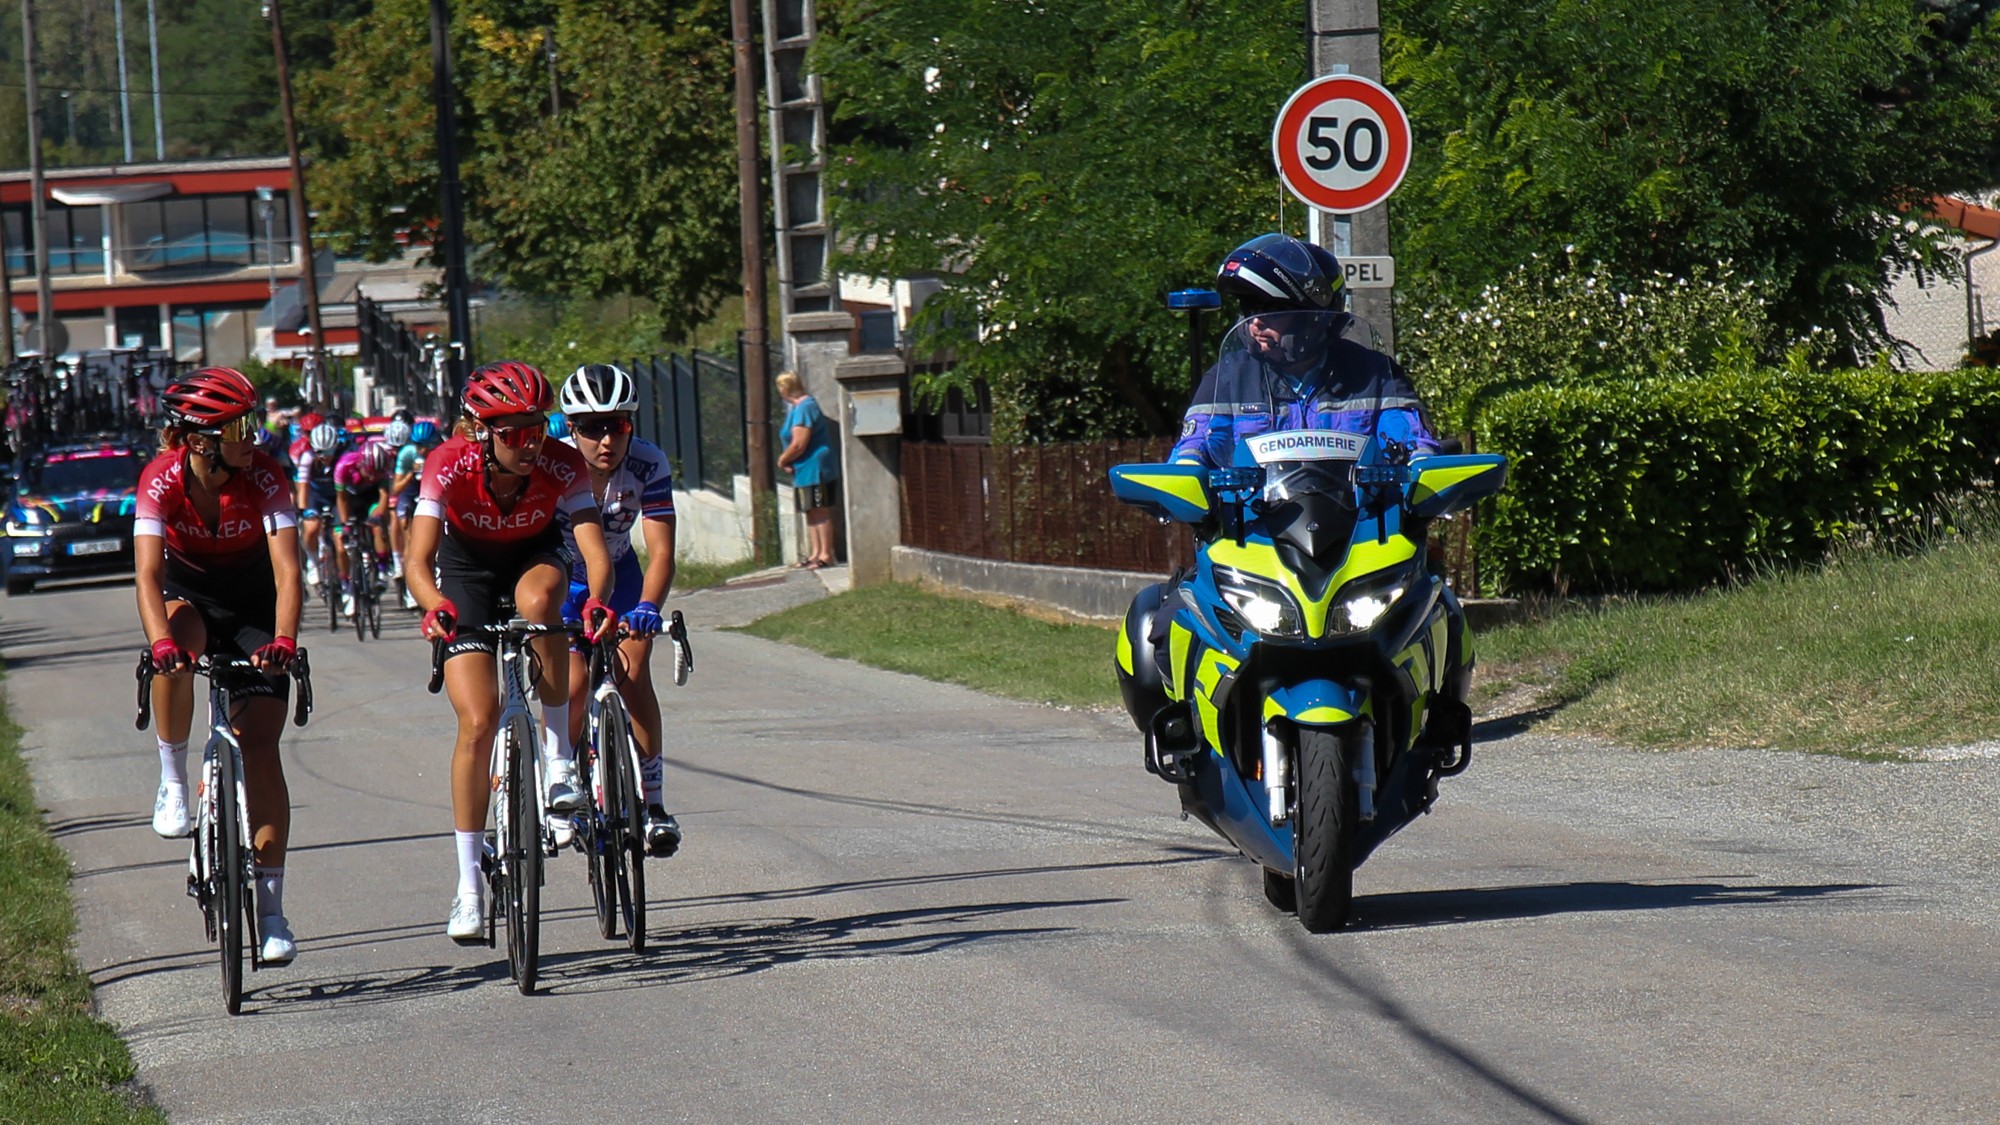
(1277, 271)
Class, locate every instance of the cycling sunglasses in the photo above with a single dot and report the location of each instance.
(519, 437)
(597, 429)
(240, 429)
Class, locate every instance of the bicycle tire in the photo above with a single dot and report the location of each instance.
(360, 572)
(329, 582)
(628, 820)
(229, 881)
(596, 844)
(523, 863)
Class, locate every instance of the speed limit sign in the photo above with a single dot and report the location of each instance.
(1342, 143)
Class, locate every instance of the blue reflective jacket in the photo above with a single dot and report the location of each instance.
(1359, 391)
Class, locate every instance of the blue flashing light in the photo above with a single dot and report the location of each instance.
(1194, 299)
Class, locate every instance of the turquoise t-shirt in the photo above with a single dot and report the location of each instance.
(818, 464)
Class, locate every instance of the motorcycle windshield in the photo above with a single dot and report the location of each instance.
(1290, 417)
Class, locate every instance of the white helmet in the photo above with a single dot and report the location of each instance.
(325, 437)
(599, 388)
(396, 434)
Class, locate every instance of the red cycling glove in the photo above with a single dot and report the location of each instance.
(598, 620)
(441, 623)
(276, 656)
(169, 655)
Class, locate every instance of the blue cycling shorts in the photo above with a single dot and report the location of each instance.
(628, 583)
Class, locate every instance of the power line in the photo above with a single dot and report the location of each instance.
(147, 93)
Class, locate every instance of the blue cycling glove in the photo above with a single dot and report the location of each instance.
(643, 620)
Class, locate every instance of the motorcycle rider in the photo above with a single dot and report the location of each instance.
(1301, 372)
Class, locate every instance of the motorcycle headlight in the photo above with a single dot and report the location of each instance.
(1264, 606)
(1363, 602)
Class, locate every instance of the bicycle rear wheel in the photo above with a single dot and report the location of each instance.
(361, 572)
(231, 885)
(521, 864)
(627, 819)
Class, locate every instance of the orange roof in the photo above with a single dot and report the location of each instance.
(1980, 222)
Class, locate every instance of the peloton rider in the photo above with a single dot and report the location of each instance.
(630, 479)
(216, 551)
(1301, 373)
(358, 478)
(486, 528)
(422, 438)
(314, 477)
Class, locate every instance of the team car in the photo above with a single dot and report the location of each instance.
(71, 513)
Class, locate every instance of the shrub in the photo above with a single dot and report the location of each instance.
(1672, 484)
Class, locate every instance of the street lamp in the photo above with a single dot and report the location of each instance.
(69, 113)
(265, 208)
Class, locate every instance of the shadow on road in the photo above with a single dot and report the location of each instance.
(1489, 904)
(1501, 727)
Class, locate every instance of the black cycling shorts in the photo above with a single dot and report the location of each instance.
(479, 583)
(240, 608)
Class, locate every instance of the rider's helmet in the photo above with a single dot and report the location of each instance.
(396, 434)
(325, 437)
(379, 456)
(1275, 274)
(210, 399)
(599, 388)
(404, 415)
(424, 432)
(308, 422)
(559, 426)
(496, 390)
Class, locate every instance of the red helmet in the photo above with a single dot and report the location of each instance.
(210, 398)
(310, 420)
(507, 387)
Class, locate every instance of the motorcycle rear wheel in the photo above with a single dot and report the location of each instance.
(1323, 829)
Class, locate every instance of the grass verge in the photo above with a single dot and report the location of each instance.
(700, 576)
(1872, 654)
(956, 640)
(57, 1063)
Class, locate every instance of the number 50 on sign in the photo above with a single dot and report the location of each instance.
(1342, 143)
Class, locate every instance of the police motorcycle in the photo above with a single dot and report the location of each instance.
(1298, 697)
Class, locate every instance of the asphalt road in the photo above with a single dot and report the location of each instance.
(903, 902)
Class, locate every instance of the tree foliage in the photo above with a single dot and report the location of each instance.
(629, 189)
(1790, 139)
(1063, 166)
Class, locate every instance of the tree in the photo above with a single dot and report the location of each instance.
(630, 189)
(1062, 167)
(1794, 142)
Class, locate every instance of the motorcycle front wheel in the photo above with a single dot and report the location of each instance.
(1323, 832)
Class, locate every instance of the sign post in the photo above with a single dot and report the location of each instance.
(1342, 146)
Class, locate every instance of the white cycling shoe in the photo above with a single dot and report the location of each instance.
(279, 948)
(347, 604)
(467, 923)
(564, 794)
(170, 811)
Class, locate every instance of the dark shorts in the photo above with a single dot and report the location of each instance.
(478, 583)
(239, 607)
(406, 504)
(319, 500)
(825, 494)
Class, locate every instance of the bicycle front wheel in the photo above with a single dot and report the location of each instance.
(599, 840)
(231, 886)
(627, 819)
(521, 869)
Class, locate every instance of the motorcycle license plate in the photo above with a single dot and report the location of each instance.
(94, 547)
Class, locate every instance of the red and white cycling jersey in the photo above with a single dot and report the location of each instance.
(454, 491)
(255, 503)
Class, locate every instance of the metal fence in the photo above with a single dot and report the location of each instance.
(692, 406)
(1046, 504)
(402, 364)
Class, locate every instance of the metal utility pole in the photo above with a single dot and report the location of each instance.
(124, 86)
(1345, 37)
(39, 204)
(6, 302)
(301, 218)
(756, 379)
(153, 45)
(451, 207)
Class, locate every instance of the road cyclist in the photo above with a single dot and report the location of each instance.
(363, 541)
(313, 481)
(485, 532)
(633, 484)
(217, 574)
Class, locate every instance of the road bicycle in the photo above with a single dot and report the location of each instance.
(520, 838)
(363, 581)
(327, 589)
(221, 875)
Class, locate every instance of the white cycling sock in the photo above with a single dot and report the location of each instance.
(470, 846)
(173, 762)
(270, 891)
(652, 775)
(555, 730)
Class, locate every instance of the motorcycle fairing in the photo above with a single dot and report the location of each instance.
(1172, 492)
(1314, 703)
(1447, 483)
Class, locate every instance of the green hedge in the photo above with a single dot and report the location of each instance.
(1674, 484)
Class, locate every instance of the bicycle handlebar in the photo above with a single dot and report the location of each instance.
(517, 627)
(212, 666)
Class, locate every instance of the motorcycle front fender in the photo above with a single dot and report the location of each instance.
(1314, 703)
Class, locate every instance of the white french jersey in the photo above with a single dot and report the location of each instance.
(642, 487)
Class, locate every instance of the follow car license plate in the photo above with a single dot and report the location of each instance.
(94, 547)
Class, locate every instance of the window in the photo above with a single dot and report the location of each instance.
(20, 254)
(223, 335)
(139, 325)
(216, 231)
(229, 235)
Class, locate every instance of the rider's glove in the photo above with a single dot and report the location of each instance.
(168, 655)
(276, 656)
(441, 623)
(643, 620)
(598, 620)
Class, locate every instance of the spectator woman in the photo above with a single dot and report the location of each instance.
(815, 467)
